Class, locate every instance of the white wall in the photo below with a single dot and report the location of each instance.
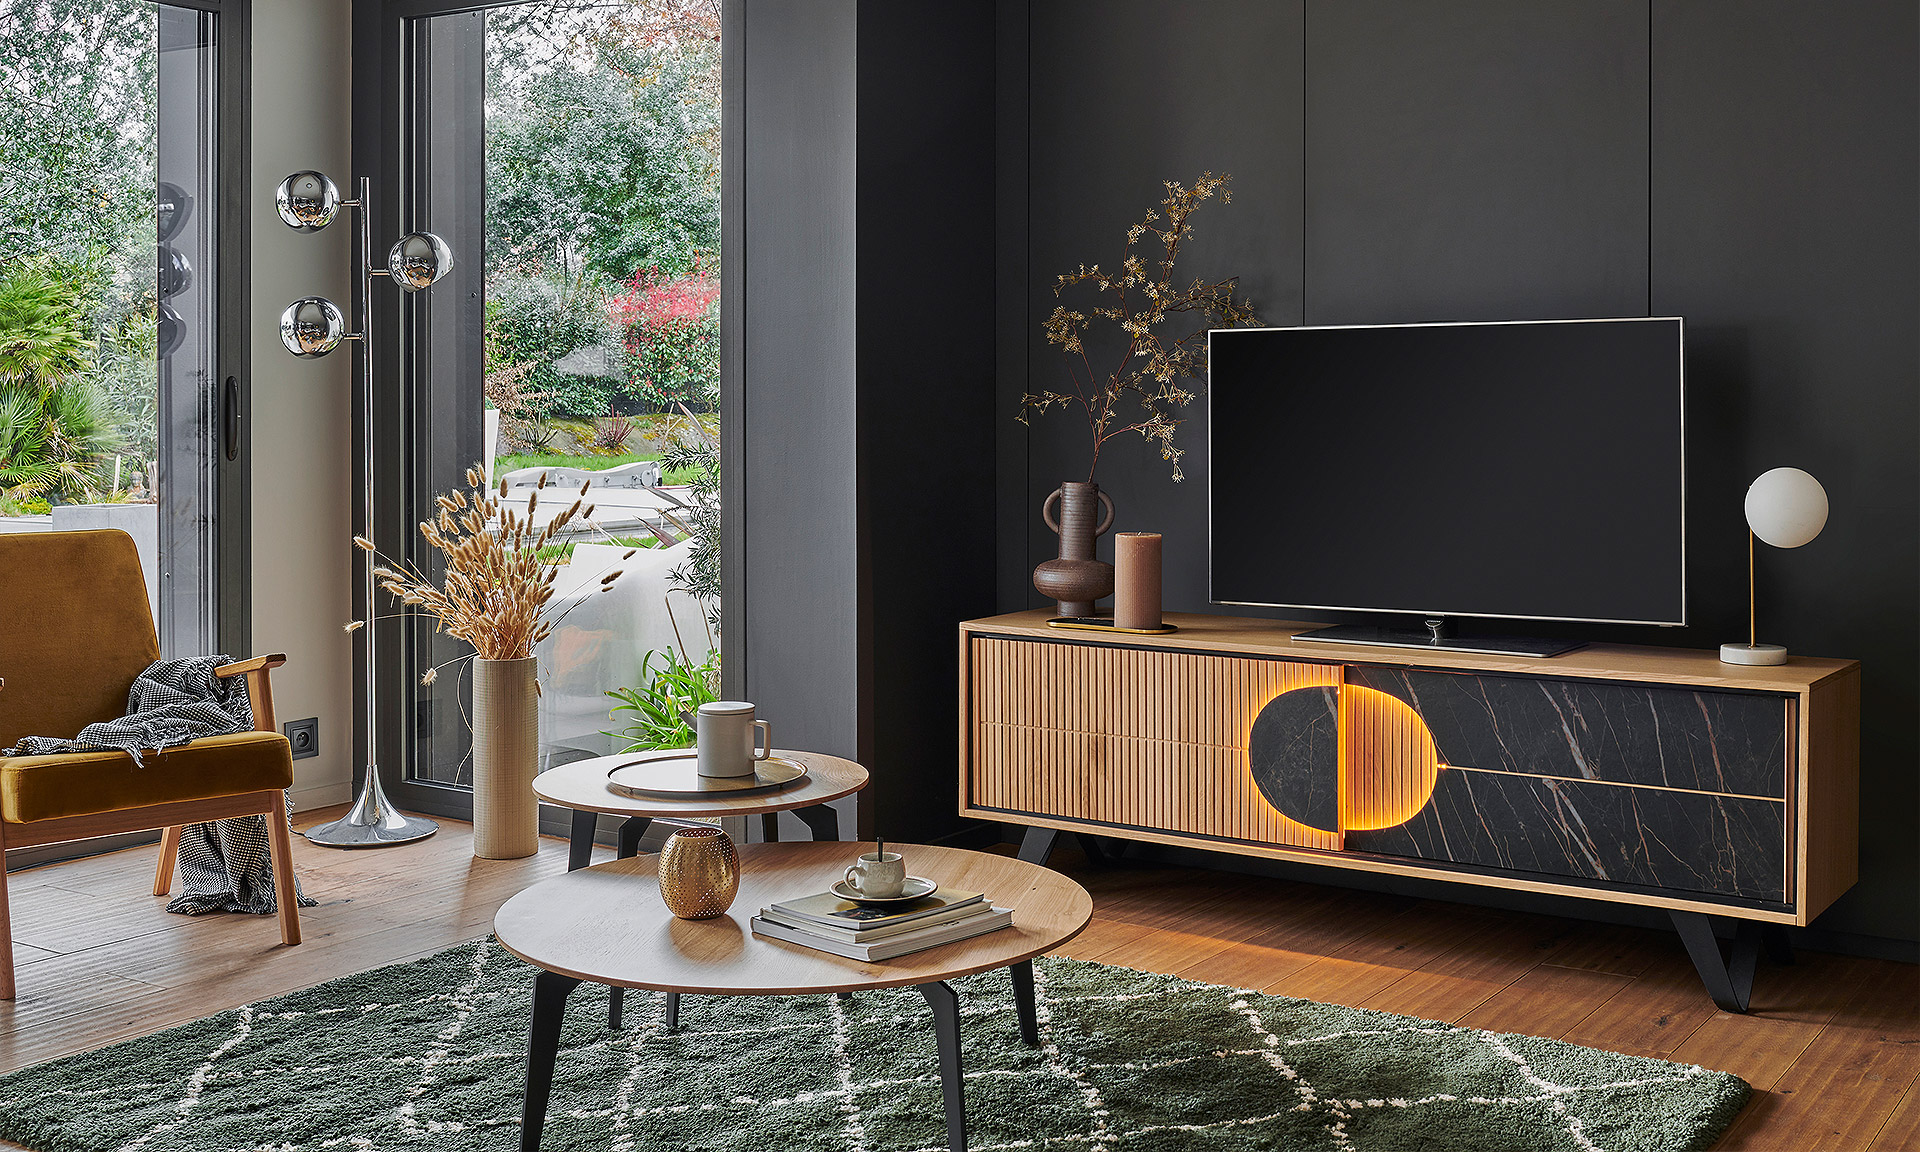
(303, 445)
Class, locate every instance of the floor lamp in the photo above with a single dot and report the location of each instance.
(314, 326)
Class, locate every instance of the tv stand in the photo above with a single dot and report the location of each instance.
(1650, 776)
(1438, 635)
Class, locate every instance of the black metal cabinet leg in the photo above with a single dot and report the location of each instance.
(580, 843)
(823, 821)
(1729, 982)
(946, 1030)
(1037, 845)
(550, 991)
(629, 845)
(1773, 937)
(1023, 1004)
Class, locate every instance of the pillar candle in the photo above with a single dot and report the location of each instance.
(1136, 579)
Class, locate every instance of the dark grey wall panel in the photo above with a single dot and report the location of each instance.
(1475, 160)
(926, 402)
(1122, 97)
(793, 612)
(1785, 230)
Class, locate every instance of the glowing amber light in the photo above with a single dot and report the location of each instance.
(1388, 764)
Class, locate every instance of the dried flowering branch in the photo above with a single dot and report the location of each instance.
(1152, 366)
(499, 583)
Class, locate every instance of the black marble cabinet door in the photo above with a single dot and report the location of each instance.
(1688, 841)
(1734, 742)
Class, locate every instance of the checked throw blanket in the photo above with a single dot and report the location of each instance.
(224, 866)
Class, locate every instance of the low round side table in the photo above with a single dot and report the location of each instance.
(607, 924)
(582, 786)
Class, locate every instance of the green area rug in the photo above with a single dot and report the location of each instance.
(431, 1055)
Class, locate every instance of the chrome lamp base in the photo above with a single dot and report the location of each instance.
(372, 822)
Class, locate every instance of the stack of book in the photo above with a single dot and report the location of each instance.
(861, 932)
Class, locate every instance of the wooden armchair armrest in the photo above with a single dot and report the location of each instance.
(246, 667)
(259, 687)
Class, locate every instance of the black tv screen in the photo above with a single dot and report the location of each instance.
(1531, 469)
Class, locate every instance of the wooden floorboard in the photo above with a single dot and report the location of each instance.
(1832, 1047)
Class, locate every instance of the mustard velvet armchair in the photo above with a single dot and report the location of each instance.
(77, 630)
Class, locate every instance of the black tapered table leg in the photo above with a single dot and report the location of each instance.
(550, 991)
(1728, 981)
(1023, 1005)
(770, 827)
(821, 820)
(953, 1086)
(673, 1011)
(580, 843)
(629, 845)
(630, 833)
(1037, 845)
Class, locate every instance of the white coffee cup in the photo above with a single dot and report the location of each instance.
(878, 876)
(728, 740)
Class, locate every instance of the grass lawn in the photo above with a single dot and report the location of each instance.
(596, 463)
(564, 552)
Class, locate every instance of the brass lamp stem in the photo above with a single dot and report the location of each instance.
(1753, 629)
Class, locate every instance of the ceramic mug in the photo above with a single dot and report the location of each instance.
(878, 877)
(728, 740)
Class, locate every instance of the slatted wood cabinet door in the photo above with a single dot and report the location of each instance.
(1122, 736)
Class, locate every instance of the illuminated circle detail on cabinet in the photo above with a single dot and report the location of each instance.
(1342, 758)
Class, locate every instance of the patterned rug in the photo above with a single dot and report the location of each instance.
(431, 1055)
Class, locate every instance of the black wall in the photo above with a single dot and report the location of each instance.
(1747, 164)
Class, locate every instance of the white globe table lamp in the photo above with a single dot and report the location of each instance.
(1786, 507)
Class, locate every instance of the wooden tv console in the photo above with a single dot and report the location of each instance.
(1649, 776)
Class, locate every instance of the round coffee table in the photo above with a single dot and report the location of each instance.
(582, 786)
(607, 924)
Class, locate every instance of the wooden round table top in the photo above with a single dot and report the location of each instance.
(582, 786)
(607, 924)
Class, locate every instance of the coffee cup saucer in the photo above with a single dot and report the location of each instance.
(915, 888)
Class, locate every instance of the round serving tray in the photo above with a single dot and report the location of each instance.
(677, 774)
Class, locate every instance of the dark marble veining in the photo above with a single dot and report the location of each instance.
(1626, 733)
(1688, 841)
(1294, 752)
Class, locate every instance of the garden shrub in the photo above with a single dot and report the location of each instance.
(672, 333)
(556, 324)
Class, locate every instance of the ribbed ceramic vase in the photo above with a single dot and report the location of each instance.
(1076, 579)
(506, 754)
(699, 873)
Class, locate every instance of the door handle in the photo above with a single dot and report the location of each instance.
(230, 417)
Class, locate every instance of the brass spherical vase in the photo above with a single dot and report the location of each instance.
(699, 873)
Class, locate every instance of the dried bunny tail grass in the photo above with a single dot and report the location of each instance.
(497, 588)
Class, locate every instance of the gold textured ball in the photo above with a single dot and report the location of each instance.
(699, 873)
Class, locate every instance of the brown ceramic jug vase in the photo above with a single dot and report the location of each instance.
(1076, 579)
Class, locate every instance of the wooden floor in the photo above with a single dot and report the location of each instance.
(1832, 1046)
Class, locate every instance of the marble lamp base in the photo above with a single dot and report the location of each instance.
(1752, 654)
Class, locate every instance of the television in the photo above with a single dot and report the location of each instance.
(1529, 470)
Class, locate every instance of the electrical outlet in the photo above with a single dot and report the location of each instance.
(304, 735)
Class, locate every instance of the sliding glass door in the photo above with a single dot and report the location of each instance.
(569, 154)
(120, 266)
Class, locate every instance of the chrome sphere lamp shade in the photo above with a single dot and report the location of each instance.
(1786, 508)
(312, 327)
